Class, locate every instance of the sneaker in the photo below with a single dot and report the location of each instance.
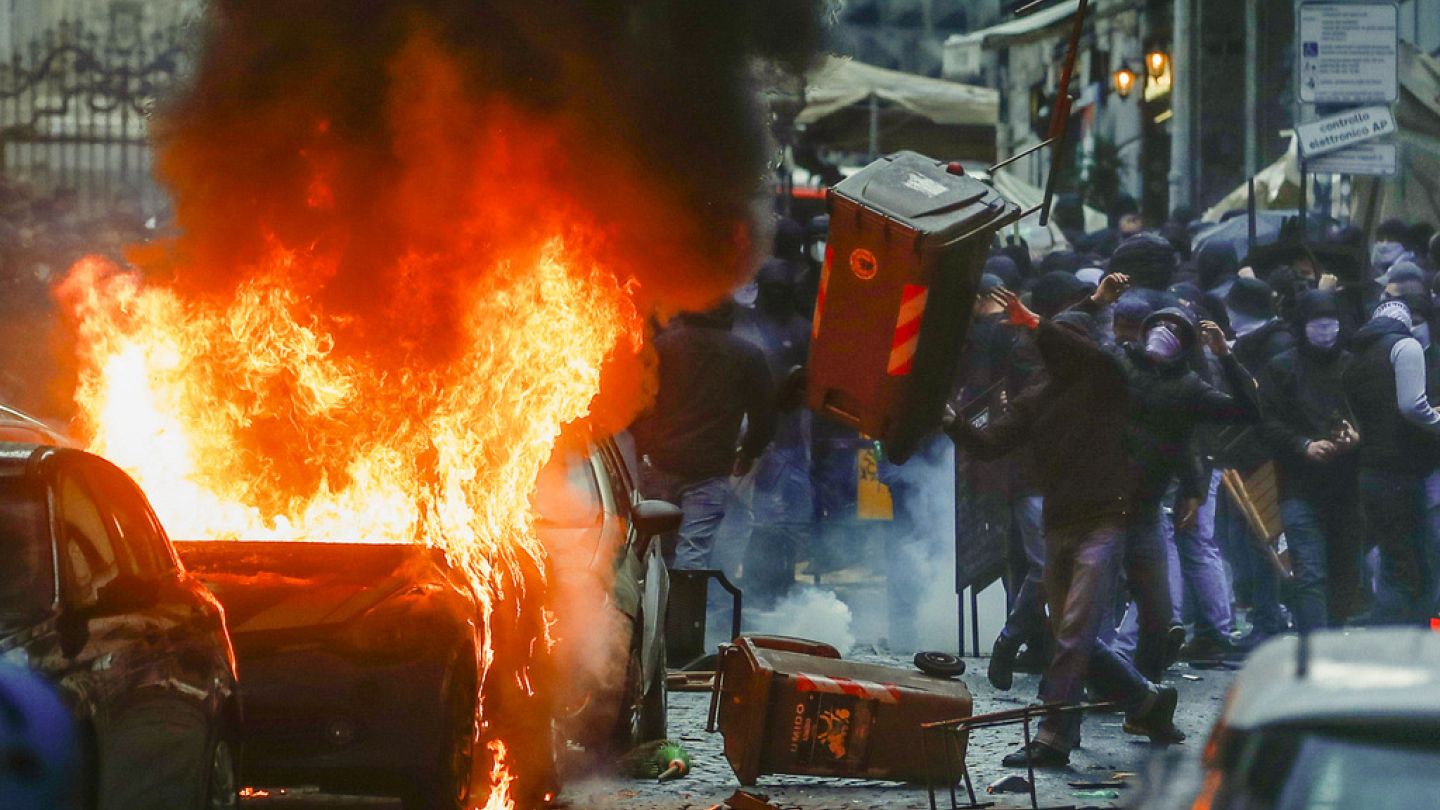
(1038, 755)
(1158, 722)
(1035, 658)
(1247, 643)
(1002, 664)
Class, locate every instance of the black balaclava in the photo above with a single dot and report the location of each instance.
(1215, 262)
(1149, 260)
(1311, 306)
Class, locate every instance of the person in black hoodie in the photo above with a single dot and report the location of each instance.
(1074, 424)
(1169, 400)
(1385, 388)
(1307, 426)
(1260, 336)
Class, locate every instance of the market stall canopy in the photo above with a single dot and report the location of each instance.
(962, 51)
(945, 120)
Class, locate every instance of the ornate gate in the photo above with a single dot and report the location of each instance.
(75, 106)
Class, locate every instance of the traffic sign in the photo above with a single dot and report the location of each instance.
(1379, 159)
(1346, 129)
(1349, 53)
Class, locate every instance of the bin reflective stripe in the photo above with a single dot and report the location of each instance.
(865, 690)
(907, 329)
(820, 296)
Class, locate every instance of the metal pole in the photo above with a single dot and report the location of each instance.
(1304, 198)
(1250, 215)
(1182, 95)
(1252, 87)
(960, 611)
(975, 620)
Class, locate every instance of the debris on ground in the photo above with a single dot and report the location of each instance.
(1097, 794)
(659, 759)
(1014, 783)
(1099, 785)
(741, 800)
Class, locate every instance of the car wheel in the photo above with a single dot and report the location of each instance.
(655, 709)
(629, 725)
(222, 788)
(448, 786)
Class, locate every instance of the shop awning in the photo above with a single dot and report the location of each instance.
(837, 83)
(1032, 27)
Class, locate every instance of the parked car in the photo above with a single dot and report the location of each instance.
(1350, 720)
(94, 599)
(359, 660)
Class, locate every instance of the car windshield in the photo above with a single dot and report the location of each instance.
(28, 585)
(1329, 772)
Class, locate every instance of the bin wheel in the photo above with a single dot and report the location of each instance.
(939, 664)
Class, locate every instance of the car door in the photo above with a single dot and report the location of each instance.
(644, 560)
(152, 730)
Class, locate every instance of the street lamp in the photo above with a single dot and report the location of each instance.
(1157, 62)
(1124, 81)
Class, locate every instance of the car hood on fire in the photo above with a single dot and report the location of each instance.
(274, 587)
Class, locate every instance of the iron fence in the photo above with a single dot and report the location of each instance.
(75, 105)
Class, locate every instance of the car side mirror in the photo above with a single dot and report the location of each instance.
(653, 519)
(124, 594)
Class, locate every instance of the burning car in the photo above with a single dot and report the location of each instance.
(94, 599)
(364, 675)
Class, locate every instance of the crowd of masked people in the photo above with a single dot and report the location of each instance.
(1143, 410)
(1139, 404)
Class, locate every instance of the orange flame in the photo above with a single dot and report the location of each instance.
(179, 393)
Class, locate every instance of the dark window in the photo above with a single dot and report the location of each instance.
(134, 525)
(91, 557)
(619, 477)
(27, 587)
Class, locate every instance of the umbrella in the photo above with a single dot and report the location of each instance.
(1236, 231)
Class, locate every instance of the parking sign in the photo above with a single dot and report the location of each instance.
(1349, 53)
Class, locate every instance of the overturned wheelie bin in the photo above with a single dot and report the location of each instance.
(791, 706)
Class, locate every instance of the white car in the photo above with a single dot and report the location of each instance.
(1343, 719)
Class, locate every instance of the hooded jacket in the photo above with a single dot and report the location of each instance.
(1168, 401)
(1074, 423)
(1303, 396)
(711, 381)
(1388, 440)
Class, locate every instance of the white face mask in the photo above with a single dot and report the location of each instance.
(1161, 344)
(745, 296)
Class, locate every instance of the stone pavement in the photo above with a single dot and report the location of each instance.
(1106, 750)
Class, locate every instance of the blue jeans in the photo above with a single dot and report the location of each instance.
(1197, 571)
(1026, 620)
(1325, 555)
(1394, 505)
(1254, 579)
(1147, 576)
(1081, 574)
(703, 505)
